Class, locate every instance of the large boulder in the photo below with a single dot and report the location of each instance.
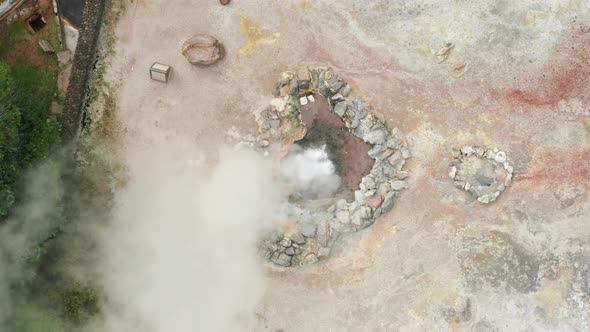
(203, 50)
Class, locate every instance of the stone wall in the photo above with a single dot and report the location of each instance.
(83, 63)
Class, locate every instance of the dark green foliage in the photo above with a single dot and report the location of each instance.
(16, 32)
(27, 133)
(80, 303)
(9, 139)
(33, 320)
(35, 89)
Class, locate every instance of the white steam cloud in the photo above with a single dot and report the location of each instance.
(180, 254)
(309, 172)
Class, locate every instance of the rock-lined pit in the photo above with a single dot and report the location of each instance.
(370, 159)
(348, 152)
(483, 172)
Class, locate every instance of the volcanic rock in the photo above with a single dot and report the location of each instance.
(203, 50)
(281, 259)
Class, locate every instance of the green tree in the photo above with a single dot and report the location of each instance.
(9, 139)
(34, 89)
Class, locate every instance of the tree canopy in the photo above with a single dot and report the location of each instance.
(9, 139)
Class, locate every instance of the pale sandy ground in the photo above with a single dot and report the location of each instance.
(519, 262)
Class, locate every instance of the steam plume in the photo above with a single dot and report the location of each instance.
(310, 173)
(181, 252)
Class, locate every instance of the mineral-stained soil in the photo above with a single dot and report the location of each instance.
(439, 261)
(348, 152)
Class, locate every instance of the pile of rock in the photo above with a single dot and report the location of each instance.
(483, 172)
(281, 123)
(310, 242)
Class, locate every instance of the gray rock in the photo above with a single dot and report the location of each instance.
(364, 212)
(398, 185)
(452, 172)
(359, 197)
(401, 175)
(359, 105)
(376, 150)
(500, 157)
(298, 238)
(281, 259)
(324, 91)
(375, 137)
(346, 90)
(385, 168)
(385, 154)
(387, 204)
(276, 91)
(290, 251)
(266, 254)
(393, 143)
(337, 97)
(286, 77)
(467, 150)
(360, 114)
(303, 84)
(343, 217)
(369, 182)
(396, 160)
(357, 220)
(353, 207)
(340, 108)
(484, 198)
(336, 86)
(285, 242)
(378, 212)
(479, 151)
(508, 179)
(406, 153)
(308, 230)
(293, 88)
(384, 187)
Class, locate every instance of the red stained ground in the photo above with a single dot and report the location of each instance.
(562, 166)
(565, 75)
(352, 157)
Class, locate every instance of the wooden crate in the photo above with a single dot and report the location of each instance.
(160, 72)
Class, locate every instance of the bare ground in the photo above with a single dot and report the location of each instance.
(517, 79)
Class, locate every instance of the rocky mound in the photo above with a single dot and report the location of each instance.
(313, 227)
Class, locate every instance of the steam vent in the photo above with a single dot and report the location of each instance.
(351, 164)
(483, 172)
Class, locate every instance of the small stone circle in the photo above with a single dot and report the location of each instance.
(316, 227)
(483, 172)
(203, 50)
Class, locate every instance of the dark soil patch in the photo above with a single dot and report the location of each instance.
(348, 152)
(17, 44)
